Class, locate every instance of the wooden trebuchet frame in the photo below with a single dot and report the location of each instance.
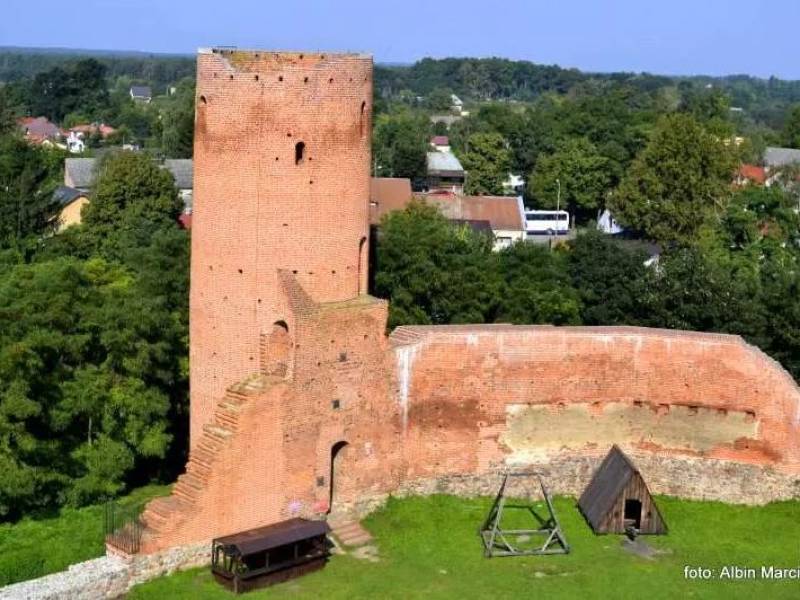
(498, 541)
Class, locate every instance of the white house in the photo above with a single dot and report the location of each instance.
(606, 223)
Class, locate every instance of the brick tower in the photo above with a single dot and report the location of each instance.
(282, 152)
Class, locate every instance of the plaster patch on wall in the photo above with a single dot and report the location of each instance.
(536, 431)
(405, 360)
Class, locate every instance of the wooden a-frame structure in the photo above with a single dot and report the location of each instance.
(498, 541)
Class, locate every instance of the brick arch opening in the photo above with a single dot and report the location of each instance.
(361, 123)
(276, 350)
(339, 474)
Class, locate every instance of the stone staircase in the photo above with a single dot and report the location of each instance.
(348, 532)
(164, 514)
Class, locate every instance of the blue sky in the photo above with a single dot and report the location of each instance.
(670, 36)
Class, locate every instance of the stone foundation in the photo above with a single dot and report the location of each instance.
(689, 478)
(109, 577)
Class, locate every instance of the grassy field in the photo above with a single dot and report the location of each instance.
(429, 549)
(34, 547)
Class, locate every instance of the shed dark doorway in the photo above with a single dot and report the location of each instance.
(338, 454)
(633, 513)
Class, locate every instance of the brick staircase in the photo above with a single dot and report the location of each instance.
(162, 515)
(348, 531)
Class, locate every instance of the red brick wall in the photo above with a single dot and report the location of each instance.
(666, 391)
(256, 211)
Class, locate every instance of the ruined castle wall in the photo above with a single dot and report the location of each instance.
(282, 146)
(478, 398)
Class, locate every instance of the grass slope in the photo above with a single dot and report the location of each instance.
(429, 549)
(32, 548)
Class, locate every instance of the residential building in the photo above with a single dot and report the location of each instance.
(387, 194)
(505, 214)
(441, 143)
(71, 202)
(141, 93)
(513, 185)
(79, 173)
(75, 143)
(445, 172)
(748, 174)
(39, 130)
(606, 223)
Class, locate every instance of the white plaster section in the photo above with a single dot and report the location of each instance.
(405, 356)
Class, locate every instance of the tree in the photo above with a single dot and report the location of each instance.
(82, 399)
(584, 175)
(610, 279)
(132, 199)
(536, 287)
(677, 184)
(487, 161)
(791, 129)
(177, 138)
(439, 99)
(59, 91)
(432, 271)
(28, 177)
(400, 141)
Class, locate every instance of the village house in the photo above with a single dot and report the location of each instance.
(79, 173)
(39, 130)
(141, 93)
(445, 172)
(505, 214)
(71, 202)
(387, 194)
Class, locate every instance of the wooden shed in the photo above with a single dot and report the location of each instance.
(617, 498)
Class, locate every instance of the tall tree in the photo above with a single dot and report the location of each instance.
(400, 141)
(133, 197)
(487, 161)
(677, 184)
(583, 173)
(28, 177)
(791, 129)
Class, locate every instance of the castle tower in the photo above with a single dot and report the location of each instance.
(282, 155)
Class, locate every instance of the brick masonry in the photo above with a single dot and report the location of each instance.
(301, 403)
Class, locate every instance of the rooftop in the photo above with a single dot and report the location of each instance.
(781, 157)
(81, 171)
(443, 162)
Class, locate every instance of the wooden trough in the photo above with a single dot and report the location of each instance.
(268, 555)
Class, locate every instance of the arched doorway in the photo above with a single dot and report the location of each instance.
(339, 452)
(276, 352)
(362, 265)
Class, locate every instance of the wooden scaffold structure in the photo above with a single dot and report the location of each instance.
(500, 541)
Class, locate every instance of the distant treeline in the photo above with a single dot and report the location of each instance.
(472, 79)
(154, 69)
(502, 79)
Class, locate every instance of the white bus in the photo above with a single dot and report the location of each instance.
(546, 222)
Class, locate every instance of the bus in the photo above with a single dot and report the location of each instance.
(546, 222)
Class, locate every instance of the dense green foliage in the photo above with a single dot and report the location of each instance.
(28, 177)
(428, 548)
(487, 162)
(33, 548)
(159, 70)
(93, 334)
(741, 277)
(677, 184)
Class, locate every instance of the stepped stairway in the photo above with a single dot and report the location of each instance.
(164, 514)
(347, 531)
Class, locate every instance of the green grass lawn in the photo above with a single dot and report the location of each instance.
(32, 548)
(429, 548)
